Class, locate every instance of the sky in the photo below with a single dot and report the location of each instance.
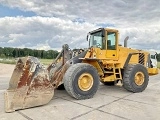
(48, 24)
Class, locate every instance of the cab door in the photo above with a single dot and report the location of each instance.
(112, 41)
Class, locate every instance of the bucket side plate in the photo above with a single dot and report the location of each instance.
(29, 85)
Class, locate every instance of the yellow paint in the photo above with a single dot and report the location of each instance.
(139, 78)
(124, 52)
(85, 82)
(153, 71)
(115, 59)
(109, 78)
(96, 65)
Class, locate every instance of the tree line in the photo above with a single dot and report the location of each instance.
(8, 52)
(158, 57)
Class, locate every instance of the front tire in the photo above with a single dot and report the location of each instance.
(81, 81)
(135, 78)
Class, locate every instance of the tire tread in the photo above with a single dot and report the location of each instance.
(127, 84)
(68, 81)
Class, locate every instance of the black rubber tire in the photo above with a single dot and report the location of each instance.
(71, 80)
(129, 75)
(112, 83)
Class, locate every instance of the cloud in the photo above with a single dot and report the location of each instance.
(146, 38)
(36, 31)
(65, 21)
(95, 11)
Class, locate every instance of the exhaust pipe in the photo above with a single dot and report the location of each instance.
(125, 41)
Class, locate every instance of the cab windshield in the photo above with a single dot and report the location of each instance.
(96, 39)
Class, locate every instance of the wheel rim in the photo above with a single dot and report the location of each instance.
(139, 78)
(85, 82)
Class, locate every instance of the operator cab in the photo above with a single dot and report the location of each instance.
(105, 39)
(96, 38)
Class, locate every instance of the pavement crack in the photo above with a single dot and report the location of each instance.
(81, 114)
(76, 102)
(28, 118)
(140, 102)
(114, 115)
(113, 101)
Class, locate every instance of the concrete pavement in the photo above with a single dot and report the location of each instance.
(110, 103)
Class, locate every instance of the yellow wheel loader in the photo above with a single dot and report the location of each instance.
(80, 71)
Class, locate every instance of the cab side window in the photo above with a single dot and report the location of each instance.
(111, 42)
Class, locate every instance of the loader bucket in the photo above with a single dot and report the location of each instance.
(29, 85)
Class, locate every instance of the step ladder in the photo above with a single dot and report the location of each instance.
(115, 71)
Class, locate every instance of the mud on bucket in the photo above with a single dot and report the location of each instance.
(29, 85)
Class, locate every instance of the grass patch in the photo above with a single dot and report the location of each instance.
(13, 61)
(8, 61)
(43, 61)
(158, 65)
(46, 61)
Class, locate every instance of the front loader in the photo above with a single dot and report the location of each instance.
(80, 71)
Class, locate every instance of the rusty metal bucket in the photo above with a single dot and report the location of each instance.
(29, 85)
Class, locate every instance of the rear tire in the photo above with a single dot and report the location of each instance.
(135, 78)
(81, 81)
